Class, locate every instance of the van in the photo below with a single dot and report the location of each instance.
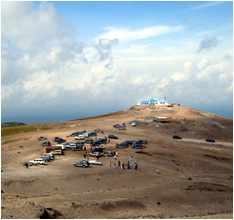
(80, 137)
(72, 145)
(58, 152)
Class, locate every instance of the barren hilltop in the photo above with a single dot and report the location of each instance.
(159, 188)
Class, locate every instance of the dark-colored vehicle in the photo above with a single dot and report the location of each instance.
(81, 132)
(116, 125)
(92, 134)
(74, 134)
(128, 142)
(56, 138)
(98, 142)
(95, 143)
(108, 153)
(102, 141)
(78, 148)
(89, 140)
(176, 137)
(210, 140)
(42, 138)
(98, 130)
(98, 149)
(80, 142)
(60, 140)
(143, 141)
(46, 143)
(81, 163)
(122, 145)
(112, 136)
(137, 147)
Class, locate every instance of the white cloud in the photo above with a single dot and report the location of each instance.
(123, 34)
(42, 62)
(45, 67)
(205, 5)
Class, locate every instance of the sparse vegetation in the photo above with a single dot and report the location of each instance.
(10, 141)
(16, 130)
(13, 140)
(45, 127)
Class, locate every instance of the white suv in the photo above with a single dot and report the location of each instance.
(80, 137)
(36, 161)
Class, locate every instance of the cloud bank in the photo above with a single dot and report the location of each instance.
(47, 71)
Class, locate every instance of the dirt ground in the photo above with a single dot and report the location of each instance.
(59, 190)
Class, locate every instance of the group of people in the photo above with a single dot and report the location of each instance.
(124, 165)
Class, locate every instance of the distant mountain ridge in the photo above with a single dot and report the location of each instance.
(11, 124)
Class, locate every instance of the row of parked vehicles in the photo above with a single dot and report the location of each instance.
(83, 137)
(136, 144)
(46, 157)
(179, 137)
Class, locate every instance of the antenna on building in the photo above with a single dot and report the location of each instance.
(164, 97)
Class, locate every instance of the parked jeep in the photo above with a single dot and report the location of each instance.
(41, 138)
(112, 136)
(81, 163)
(46, 143)
(77, 148)
(37, 161)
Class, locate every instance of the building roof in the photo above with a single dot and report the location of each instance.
(152, 101)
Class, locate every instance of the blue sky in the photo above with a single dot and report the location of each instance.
(65, 60)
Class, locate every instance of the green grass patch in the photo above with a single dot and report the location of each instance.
(45, 128)
(62, 127)
(17, 130)
(10, 141)
(11, 124)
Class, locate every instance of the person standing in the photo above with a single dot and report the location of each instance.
(123, 165)
(26, 164)
(129, 165)
(136, 165)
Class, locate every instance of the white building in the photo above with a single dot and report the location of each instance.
(153, 102)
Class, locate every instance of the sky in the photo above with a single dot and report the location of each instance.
(67, 60)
